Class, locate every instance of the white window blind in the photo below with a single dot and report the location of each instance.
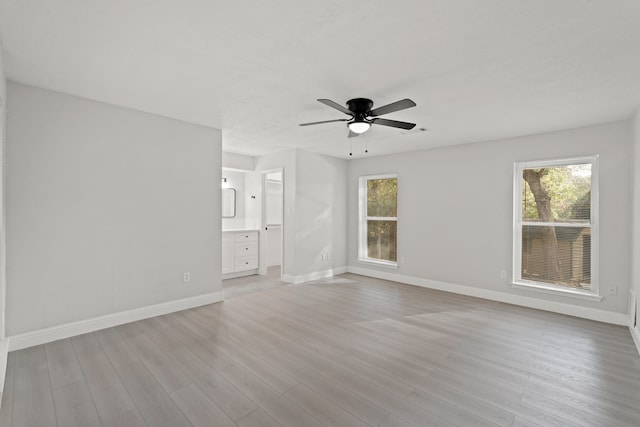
(555, 224)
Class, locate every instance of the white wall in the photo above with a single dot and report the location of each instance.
(236, 180)
(635, 260)
(3, 121)
(315, 210)
(238, 161)
(236, 167)
(107, 207)
(321, 209)
(455, 209)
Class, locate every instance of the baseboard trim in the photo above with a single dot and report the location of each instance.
(633, 312)
(237, 274)
(4, 351)
(340, 270)
(524, 301)
(43, 336)
(316, 275)
(635, 334)
(288, 278)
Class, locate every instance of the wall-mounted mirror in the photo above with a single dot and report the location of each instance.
(228, 202)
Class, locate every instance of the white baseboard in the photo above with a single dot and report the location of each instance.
(4, 351)
(633, 313)
(239, 274)
(288, 278)
(635, 334)
(43, 336)
(340, 270)
(316, 275)
(556, 307)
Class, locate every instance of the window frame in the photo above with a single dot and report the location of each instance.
(517, 281)
(363, 218)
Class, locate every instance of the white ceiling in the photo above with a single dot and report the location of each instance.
(478, 70)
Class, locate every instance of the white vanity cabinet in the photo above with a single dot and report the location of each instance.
(239, 252)
(228, 257)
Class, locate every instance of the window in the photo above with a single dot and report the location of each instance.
(555, 225)
(378, 219)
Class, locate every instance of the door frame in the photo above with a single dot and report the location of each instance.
(263, 223)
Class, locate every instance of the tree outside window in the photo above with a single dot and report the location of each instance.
(554, 223)
(379, 218)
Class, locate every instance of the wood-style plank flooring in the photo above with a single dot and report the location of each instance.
(345, 351)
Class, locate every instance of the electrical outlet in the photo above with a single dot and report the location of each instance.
(401, 260)
(186, 277)
(503, 274)
(613, 290)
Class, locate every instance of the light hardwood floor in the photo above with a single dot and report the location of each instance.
(249, 284)
(346, 351)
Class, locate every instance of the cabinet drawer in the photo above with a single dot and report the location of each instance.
(249, 236)
(246, 263)
(228, 238)
(246, 249)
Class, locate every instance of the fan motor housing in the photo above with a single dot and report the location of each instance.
(360, 106)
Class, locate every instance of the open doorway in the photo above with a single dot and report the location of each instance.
(273, 224)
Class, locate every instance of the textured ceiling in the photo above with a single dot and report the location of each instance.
(478, 70)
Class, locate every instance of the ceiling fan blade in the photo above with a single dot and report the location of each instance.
(352, 134)
(325, 121)
(390, 108)
(335, 105)
(394, 123)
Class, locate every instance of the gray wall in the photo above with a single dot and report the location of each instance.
(321, 211)
(455, 208)
(635, 262)
(315, 209)
(3, 121)
(107, 207)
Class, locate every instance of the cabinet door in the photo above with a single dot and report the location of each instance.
(228, 258)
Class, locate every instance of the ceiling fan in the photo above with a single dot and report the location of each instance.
(362, 116)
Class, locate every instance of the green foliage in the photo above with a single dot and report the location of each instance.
(568, 188)
(382, 201)
(382, 197)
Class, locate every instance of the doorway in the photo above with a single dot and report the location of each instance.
(272, 250)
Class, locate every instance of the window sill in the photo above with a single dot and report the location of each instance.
(554, 290)
(378, 263)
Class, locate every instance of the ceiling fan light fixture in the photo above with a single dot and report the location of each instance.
(361, 115)
(359, 126)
